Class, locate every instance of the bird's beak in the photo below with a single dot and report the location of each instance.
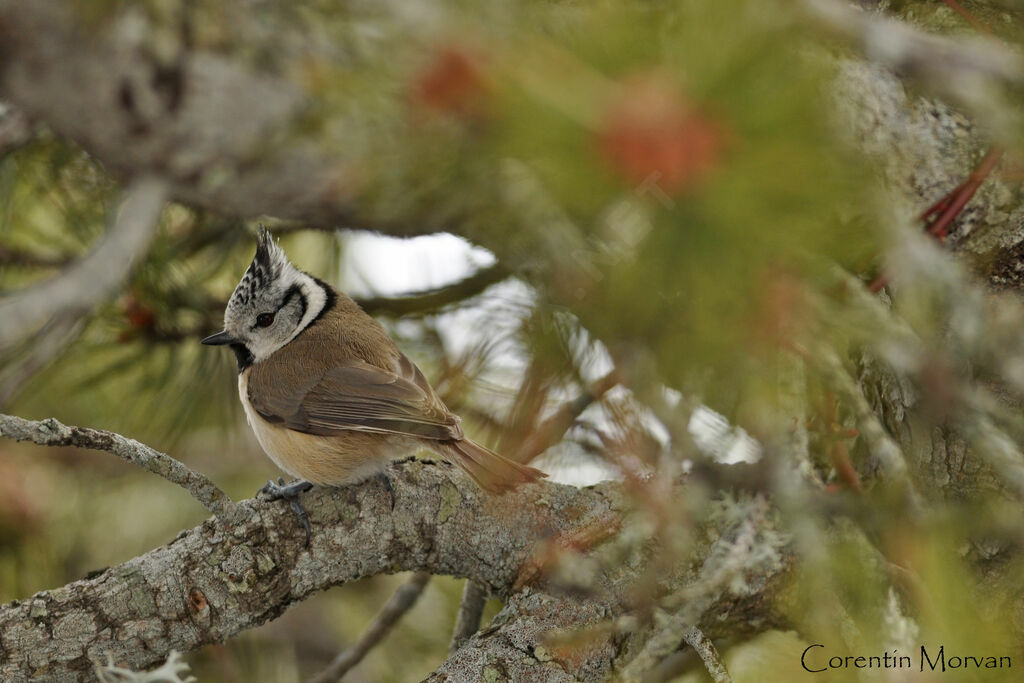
(219, 339)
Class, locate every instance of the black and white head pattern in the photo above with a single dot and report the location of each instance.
(273, 303)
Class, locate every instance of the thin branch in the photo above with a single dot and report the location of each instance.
(400, 602)
(728, 558)
(471, 610)
(683, 661)
(703, 646)
(52, 433)
(94, 277)
(667, 637)
(434, 300)
(909, 50)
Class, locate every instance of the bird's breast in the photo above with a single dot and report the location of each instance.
(328, 460)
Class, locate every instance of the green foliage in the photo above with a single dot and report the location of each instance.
(666, 182)
(523, 105)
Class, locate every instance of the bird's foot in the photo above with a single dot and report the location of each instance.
(291, 493)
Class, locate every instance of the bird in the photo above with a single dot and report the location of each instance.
(328, 393)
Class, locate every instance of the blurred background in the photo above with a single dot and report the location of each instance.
(623, 241)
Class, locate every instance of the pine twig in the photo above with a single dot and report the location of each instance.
(550, 432)
(471, 609)
(400, 602)
(50, 432)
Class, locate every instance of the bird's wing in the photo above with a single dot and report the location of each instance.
(356, 396)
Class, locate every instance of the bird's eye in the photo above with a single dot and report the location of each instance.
(265, 319)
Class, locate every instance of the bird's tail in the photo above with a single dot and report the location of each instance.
(491, 471)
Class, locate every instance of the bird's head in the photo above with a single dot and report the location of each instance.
(271, 305)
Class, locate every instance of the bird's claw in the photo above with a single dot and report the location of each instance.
(291, 493)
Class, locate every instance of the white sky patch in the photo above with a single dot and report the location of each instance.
(563, 467)
(725, 443)
(375, 265)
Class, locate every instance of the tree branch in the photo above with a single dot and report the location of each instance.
(215, 129)
(515, 647)
(555, 631)
(52, 433)
(233, 573)
(228, 575)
